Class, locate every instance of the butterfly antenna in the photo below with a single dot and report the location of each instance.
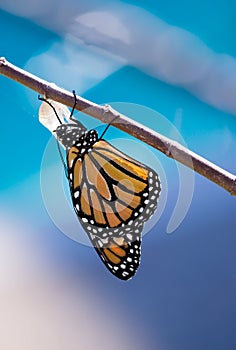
(108, 125)
(62, 159)
(54, 109)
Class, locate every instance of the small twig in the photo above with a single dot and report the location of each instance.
(167, 146)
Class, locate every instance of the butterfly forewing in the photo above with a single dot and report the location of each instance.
(113, 196)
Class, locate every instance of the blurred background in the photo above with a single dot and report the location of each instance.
(170, 65)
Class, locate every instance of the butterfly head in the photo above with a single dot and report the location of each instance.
(69, 134)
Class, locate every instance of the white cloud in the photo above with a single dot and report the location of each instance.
(43, 306)
(114, 34)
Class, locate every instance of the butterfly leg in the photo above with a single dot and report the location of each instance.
(75, 101)
(54, 109)
(73, 109)
(62, 159)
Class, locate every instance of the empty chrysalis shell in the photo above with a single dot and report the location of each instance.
(48, 118)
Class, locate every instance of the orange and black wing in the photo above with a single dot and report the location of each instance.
(113, 196)
(120, 255)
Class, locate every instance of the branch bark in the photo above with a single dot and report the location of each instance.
(167, 146)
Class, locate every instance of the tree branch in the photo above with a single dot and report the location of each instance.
(167, 146)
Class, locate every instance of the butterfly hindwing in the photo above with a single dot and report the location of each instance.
(120, 255)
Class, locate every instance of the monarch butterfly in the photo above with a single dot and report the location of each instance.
(113, 195)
